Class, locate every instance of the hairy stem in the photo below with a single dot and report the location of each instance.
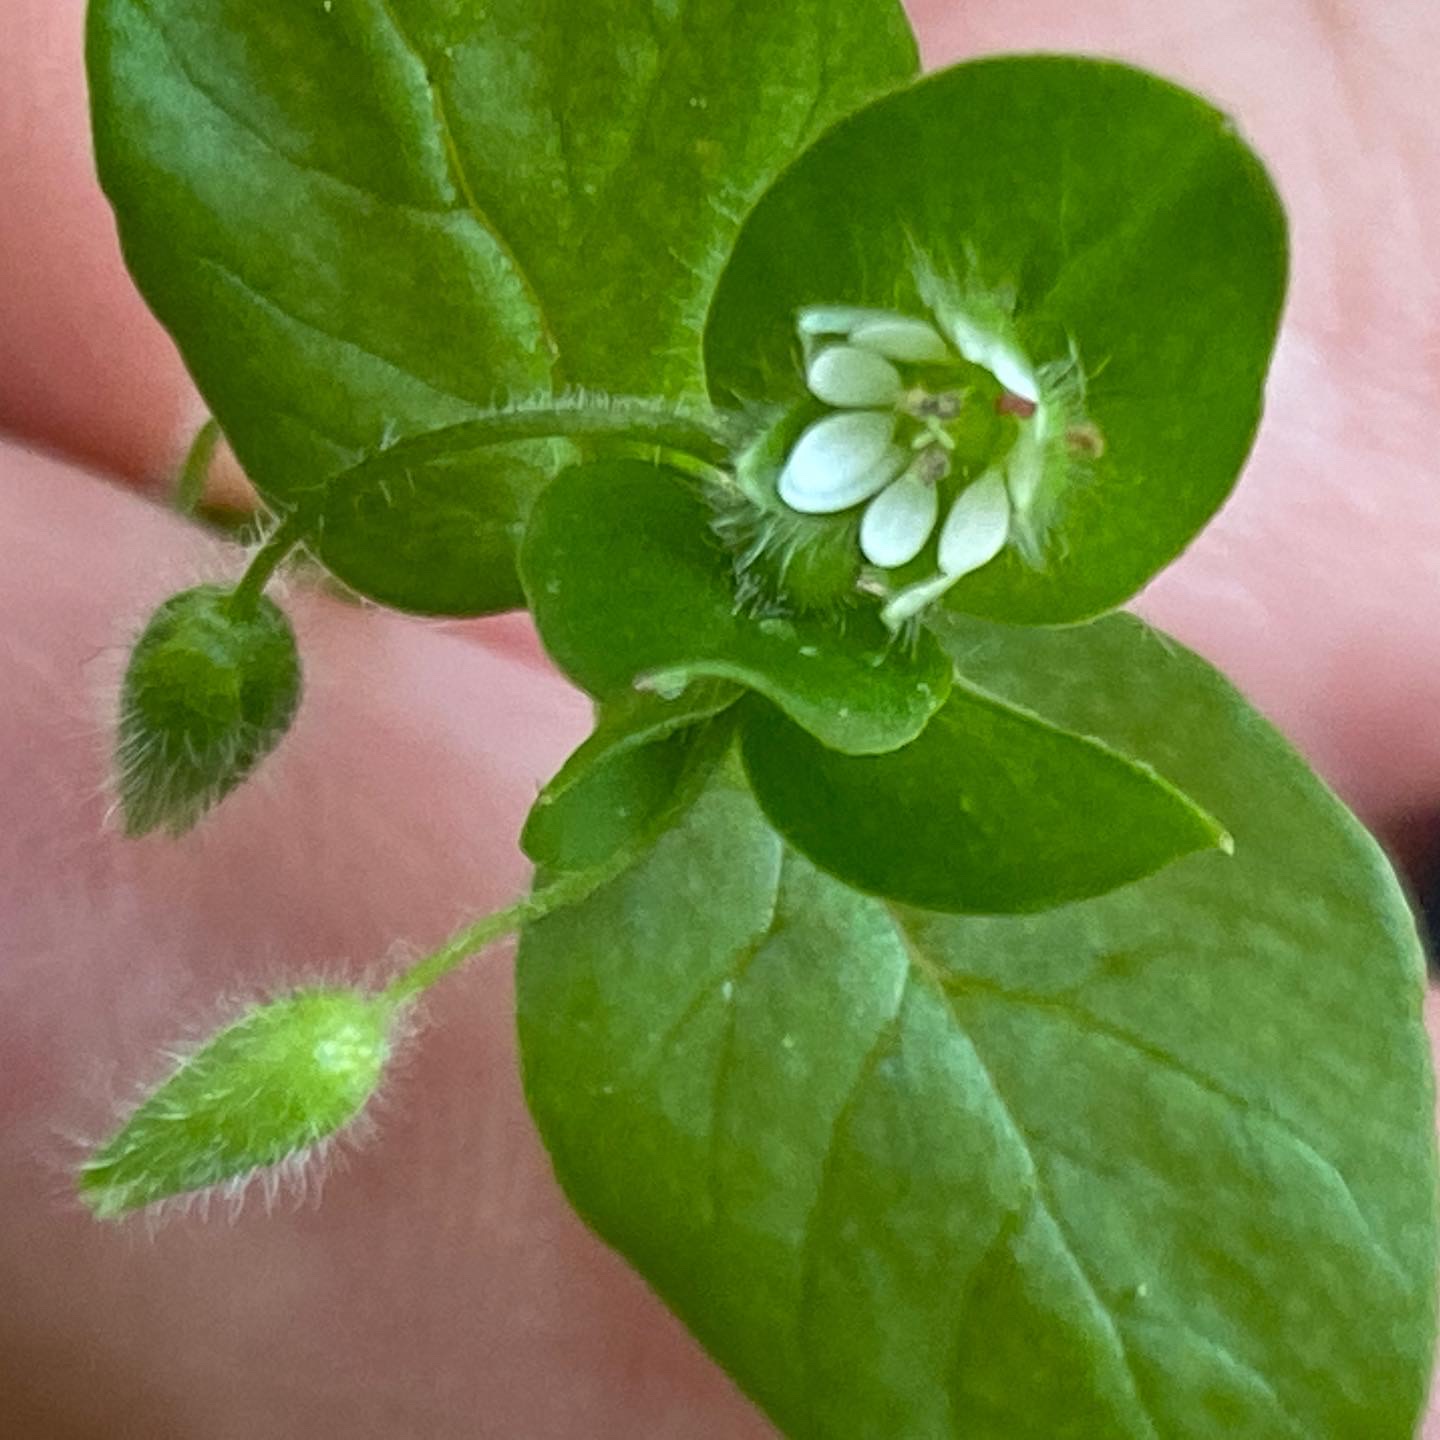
(280, 542)
(706, 439)
(568, 890)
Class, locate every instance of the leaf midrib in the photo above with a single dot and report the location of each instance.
(460, 179)
(934, 976)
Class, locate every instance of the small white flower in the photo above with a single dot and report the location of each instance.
(997, 354)
(895, 336)
(909, 602)
(847, 458)
(840, 461)
(855, 359)
(813, 321)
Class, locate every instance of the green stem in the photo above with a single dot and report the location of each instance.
(704, 439)
(190, 487)
(569, 890)
(280, 542)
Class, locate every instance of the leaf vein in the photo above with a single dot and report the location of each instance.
(665, 58)
(706, 992)
(269, 143)
(818, 97)
(885, 1036)
(1234, 1362)
(460, 176)
(1095, 1167)
(935, 975)
(269, 302)
(724, 1067)
(1094, 1024)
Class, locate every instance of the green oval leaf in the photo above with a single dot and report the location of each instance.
(991, 810)
(285, 1076)
(637, 773)
(630, 588)
(437, 537)
(1110, 230)
(209, 691)
(371, 218)
(1151, 1165)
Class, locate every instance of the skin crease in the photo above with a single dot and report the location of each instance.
(444, 1288)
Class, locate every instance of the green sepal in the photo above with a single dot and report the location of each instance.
(629, 587)
(210, 689)
(195, 469)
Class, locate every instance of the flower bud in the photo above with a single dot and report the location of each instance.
(208, 693)
(285, 1076)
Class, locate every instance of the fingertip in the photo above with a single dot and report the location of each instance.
(85, 369)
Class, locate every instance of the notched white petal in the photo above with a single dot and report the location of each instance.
(816, 320)
(840, 461)
(898, 521)
(899, 337)
(977, 526)
(974, 533)
(1025, 465)
(847, 375)
(909, 602)
(1000, 356)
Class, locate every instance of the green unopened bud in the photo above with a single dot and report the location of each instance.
(284, 1077)
(208, 693)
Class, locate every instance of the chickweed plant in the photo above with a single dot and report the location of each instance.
(964, 1010)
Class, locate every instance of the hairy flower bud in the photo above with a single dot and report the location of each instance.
(208, 693)
(284, 1077)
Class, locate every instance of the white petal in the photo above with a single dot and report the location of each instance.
(898, 521)
(977, 526)
(914, 598)
(840, 461)
(1013, 371)
(901, 338)
(1025, 465)
(844, 375)
(999, 356)
(833, 319)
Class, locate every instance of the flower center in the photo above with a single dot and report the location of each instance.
(913, 418)
(927, 447)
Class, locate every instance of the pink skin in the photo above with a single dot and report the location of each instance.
(444, 1288)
